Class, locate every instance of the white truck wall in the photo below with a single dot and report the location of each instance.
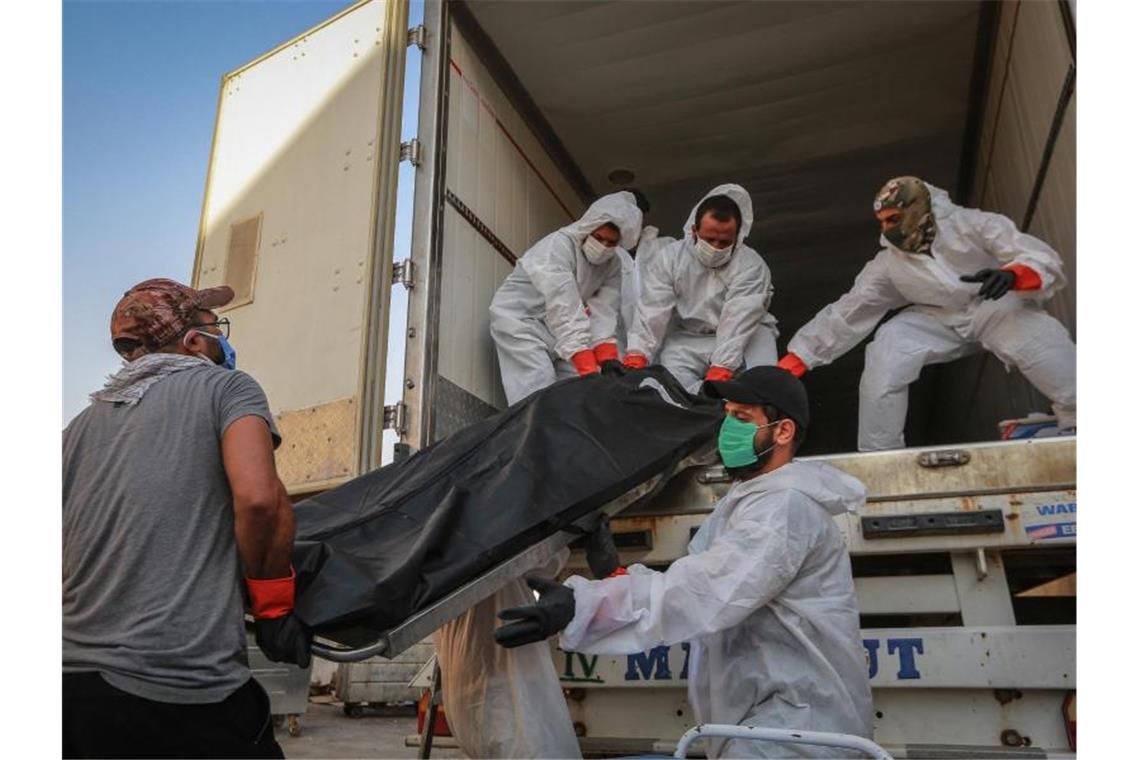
(303, 163)
(497, 169)
(1031, 58)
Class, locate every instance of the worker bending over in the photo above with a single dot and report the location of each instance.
(703, 310)
(765, 594)
(934, 256)
(556, 313)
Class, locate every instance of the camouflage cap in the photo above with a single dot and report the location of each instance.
(914, 230)
(153, 313)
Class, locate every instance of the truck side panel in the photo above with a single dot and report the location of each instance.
(1026, 169)
(500, 184)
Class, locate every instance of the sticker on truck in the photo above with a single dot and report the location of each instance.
(1053, 521)
(901, 657)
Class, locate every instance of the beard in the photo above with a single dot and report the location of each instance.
(752, 470)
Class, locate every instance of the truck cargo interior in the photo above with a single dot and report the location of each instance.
(810, 106)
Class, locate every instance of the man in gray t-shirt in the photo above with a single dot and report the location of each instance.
(170, 495)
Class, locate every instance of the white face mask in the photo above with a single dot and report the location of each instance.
(710, 255)
(596, 251)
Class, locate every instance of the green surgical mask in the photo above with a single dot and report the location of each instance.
(735, 442)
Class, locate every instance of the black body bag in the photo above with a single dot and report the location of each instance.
(383, 546)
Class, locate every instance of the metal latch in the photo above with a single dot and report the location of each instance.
(396, 417)
(714, 474)
(934, 524)
(410, 151)
(404, 273)
(944, 458)
(417, 36)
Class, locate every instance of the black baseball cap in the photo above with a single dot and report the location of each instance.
(770, 385)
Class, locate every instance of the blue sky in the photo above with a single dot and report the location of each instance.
(140, 89)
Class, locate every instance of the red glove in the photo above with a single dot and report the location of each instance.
(718, 373)
(271, 597)
(606, 352)
(280, 634)
(635, 360)
(793, 364)
(1024, 278)
(585, 362)
(620, 571)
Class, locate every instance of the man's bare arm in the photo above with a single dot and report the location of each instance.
(263, 514)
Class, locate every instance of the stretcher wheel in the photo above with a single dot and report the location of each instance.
(354, 710)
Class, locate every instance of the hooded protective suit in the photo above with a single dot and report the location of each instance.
(555, 303)
(701, 316)
(947, 320)
(766, 598)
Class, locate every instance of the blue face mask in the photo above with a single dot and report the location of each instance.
(229, 355)
(735, 442)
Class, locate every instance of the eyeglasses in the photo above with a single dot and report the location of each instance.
(222, 324)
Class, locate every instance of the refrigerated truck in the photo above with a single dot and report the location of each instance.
(526, 112)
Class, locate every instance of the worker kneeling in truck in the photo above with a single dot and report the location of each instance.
(765, 595)
(704, 298)
(556, 313)
(933, 257)
(169, 492)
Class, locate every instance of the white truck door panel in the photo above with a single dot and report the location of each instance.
(298, 217)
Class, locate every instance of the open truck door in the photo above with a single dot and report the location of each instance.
(491, 180)
(298, 218)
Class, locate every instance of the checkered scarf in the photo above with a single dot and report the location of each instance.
(135, 378)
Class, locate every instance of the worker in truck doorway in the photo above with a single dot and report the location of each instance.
(169, 496)
(765, 595)
(703, 311)
(556, 314)
(967, 280)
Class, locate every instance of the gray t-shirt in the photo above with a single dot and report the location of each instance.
(151, 571)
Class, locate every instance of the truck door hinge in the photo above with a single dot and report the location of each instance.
(396, 417)
(410, 151)
(404, 273)
(417, 36)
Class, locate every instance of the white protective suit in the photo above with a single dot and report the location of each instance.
(766, 598)
(631, 269)
(555, 303)
(699, 316)
(948, 319)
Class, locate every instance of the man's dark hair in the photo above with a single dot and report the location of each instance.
(642, 201)
(722, 209)
(775, 415)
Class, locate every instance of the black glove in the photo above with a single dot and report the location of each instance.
(284, 639)
(612, 368)
(601, 553)
(536, 622)
(995, 282)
